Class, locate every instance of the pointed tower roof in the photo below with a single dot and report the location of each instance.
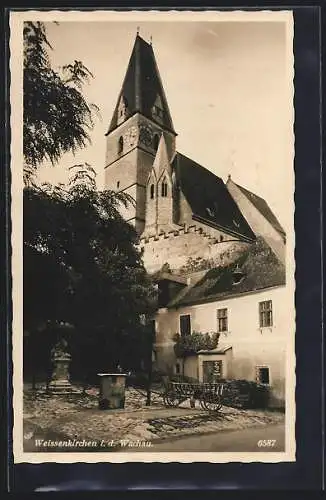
(142, 86)
(161, 161)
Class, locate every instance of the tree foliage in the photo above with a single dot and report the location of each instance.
(57, 117)
(82, 266)
(189, 345)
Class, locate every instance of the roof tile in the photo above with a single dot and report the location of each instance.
(259, 266)
(262, 206)
(209, 198)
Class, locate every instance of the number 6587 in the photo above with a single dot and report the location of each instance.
(266, 443)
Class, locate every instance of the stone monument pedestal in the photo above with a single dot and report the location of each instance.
(60, 383)
(112, 391)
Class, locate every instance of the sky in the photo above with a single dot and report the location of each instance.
(227, 86)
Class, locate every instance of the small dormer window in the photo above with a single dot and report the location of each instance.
(237, 276)
(120, 145)
(164, 189)
(152, 191)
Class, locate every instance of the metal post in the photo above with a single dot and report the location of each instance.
(151, 328)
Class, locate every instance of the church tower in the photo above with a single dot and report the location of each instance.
(140, 120)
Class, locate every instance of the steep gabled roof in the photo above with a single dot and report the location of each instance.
(208, 197)
(142, 85)
(258, 265)
(261, 205)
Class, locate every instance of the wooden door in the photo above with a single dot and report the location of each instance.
(212, 371)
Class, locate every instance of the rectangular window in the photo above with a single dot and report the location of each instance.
(262, 375)
(222, 320)
(185, 325)
(265, 313)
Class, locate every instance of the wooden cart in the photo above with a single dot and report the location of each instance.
(210, 395)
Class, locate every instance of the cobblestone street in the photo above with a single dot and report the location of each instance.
(77, 417)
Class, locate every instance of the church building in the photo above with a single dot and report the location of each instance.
(181, 209)
(195, 232)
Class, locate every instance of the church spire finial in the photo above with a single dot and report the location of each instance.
(151, 40)
(142, 87)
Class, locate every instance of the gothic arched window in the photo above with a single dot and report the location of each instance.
(152, 191)
(164, 190)
(156, 141)
(120, 145)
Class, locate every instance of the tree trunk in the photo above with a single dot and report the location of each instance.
(49, 375)
(149, 377)
(149, 386)
(48, 380)
(33, 380)
(32, 349)
(84, 385)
